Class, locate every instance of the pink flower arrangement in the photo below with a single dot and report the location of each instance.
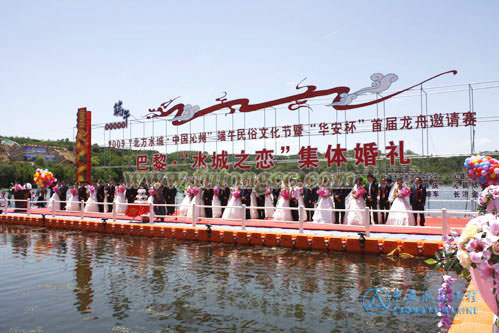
(360, 192)
(323, 193)
(192, 191)
(215, 191)
(446, 295)
(477, 244)
(17, 187)
(236, 194)
(91, 189)
(268, 191)
(152, 191)
(56, 189)
(405, 192)
(285, 194)
(121, 189)
(73, 191)
(490, 193)
(476, 248)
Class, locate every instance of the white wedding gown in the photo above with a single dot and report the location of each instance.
(269, 205)
(198, 200)
(301, 202)
(398, 214)
(120, 202)
(216, 211)
(233, 213)
(324, 216)
(74, 204)
(91, 206)
(54, 202)
(281, 214)
(253, 209)
(185, 204)
(353, 216)
(107, 207)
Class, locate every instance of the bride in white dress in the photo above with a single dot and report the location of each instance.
(198, 200)
(54, 201)
(254, 205)
(234, 213)
(398, 214)
(120, 200)
(186, 202)
(298, 195)
(355, 205)
(216, 211)
(325, 202)
(281, 214)
(269, 203)
(73, 204)
(91, 205)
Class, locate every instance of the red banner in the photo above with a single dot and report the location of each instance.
(366, 154)
(83, 145)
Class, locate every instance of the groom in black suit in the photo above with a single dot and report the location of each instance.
(372, 196)
(63, 189)
(418, 200)
(169, 193)
(293, 202)
(260, 200)
(100, 195)
(275, 193)
(340, 195)
(246, 196)
(223, 195)
(110, 192)
(384, 200)
(207, 200)
(310, 198)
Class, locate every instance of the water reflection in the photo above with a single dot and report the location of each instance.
(144, 284)
(83, 274)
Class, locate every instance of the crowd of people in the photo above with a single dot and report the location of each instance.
(274, 203)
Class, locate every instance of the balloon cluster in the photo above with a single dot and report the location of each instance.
(483, 169)
(43, 178)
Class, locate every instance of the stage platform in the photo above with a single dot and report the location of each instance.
(431, 231)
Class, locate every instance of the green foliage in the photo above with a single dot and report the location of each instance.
(40, 161)
(430, 261)
(16, 172)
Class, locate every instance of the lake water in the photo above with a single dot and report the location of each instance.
(61, 281)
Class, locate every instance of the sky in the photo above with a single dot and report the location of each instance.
(58, 56)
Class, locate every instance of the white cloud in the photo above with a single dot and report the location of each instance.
(484, 144)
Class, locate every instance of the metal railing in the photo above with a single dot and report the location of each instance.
(193, 215)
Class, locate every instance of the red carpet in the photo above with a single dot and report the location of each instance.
(452, 222)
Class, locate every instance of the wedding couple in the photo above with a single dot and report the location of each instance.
(234, 210)
(399, 211)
